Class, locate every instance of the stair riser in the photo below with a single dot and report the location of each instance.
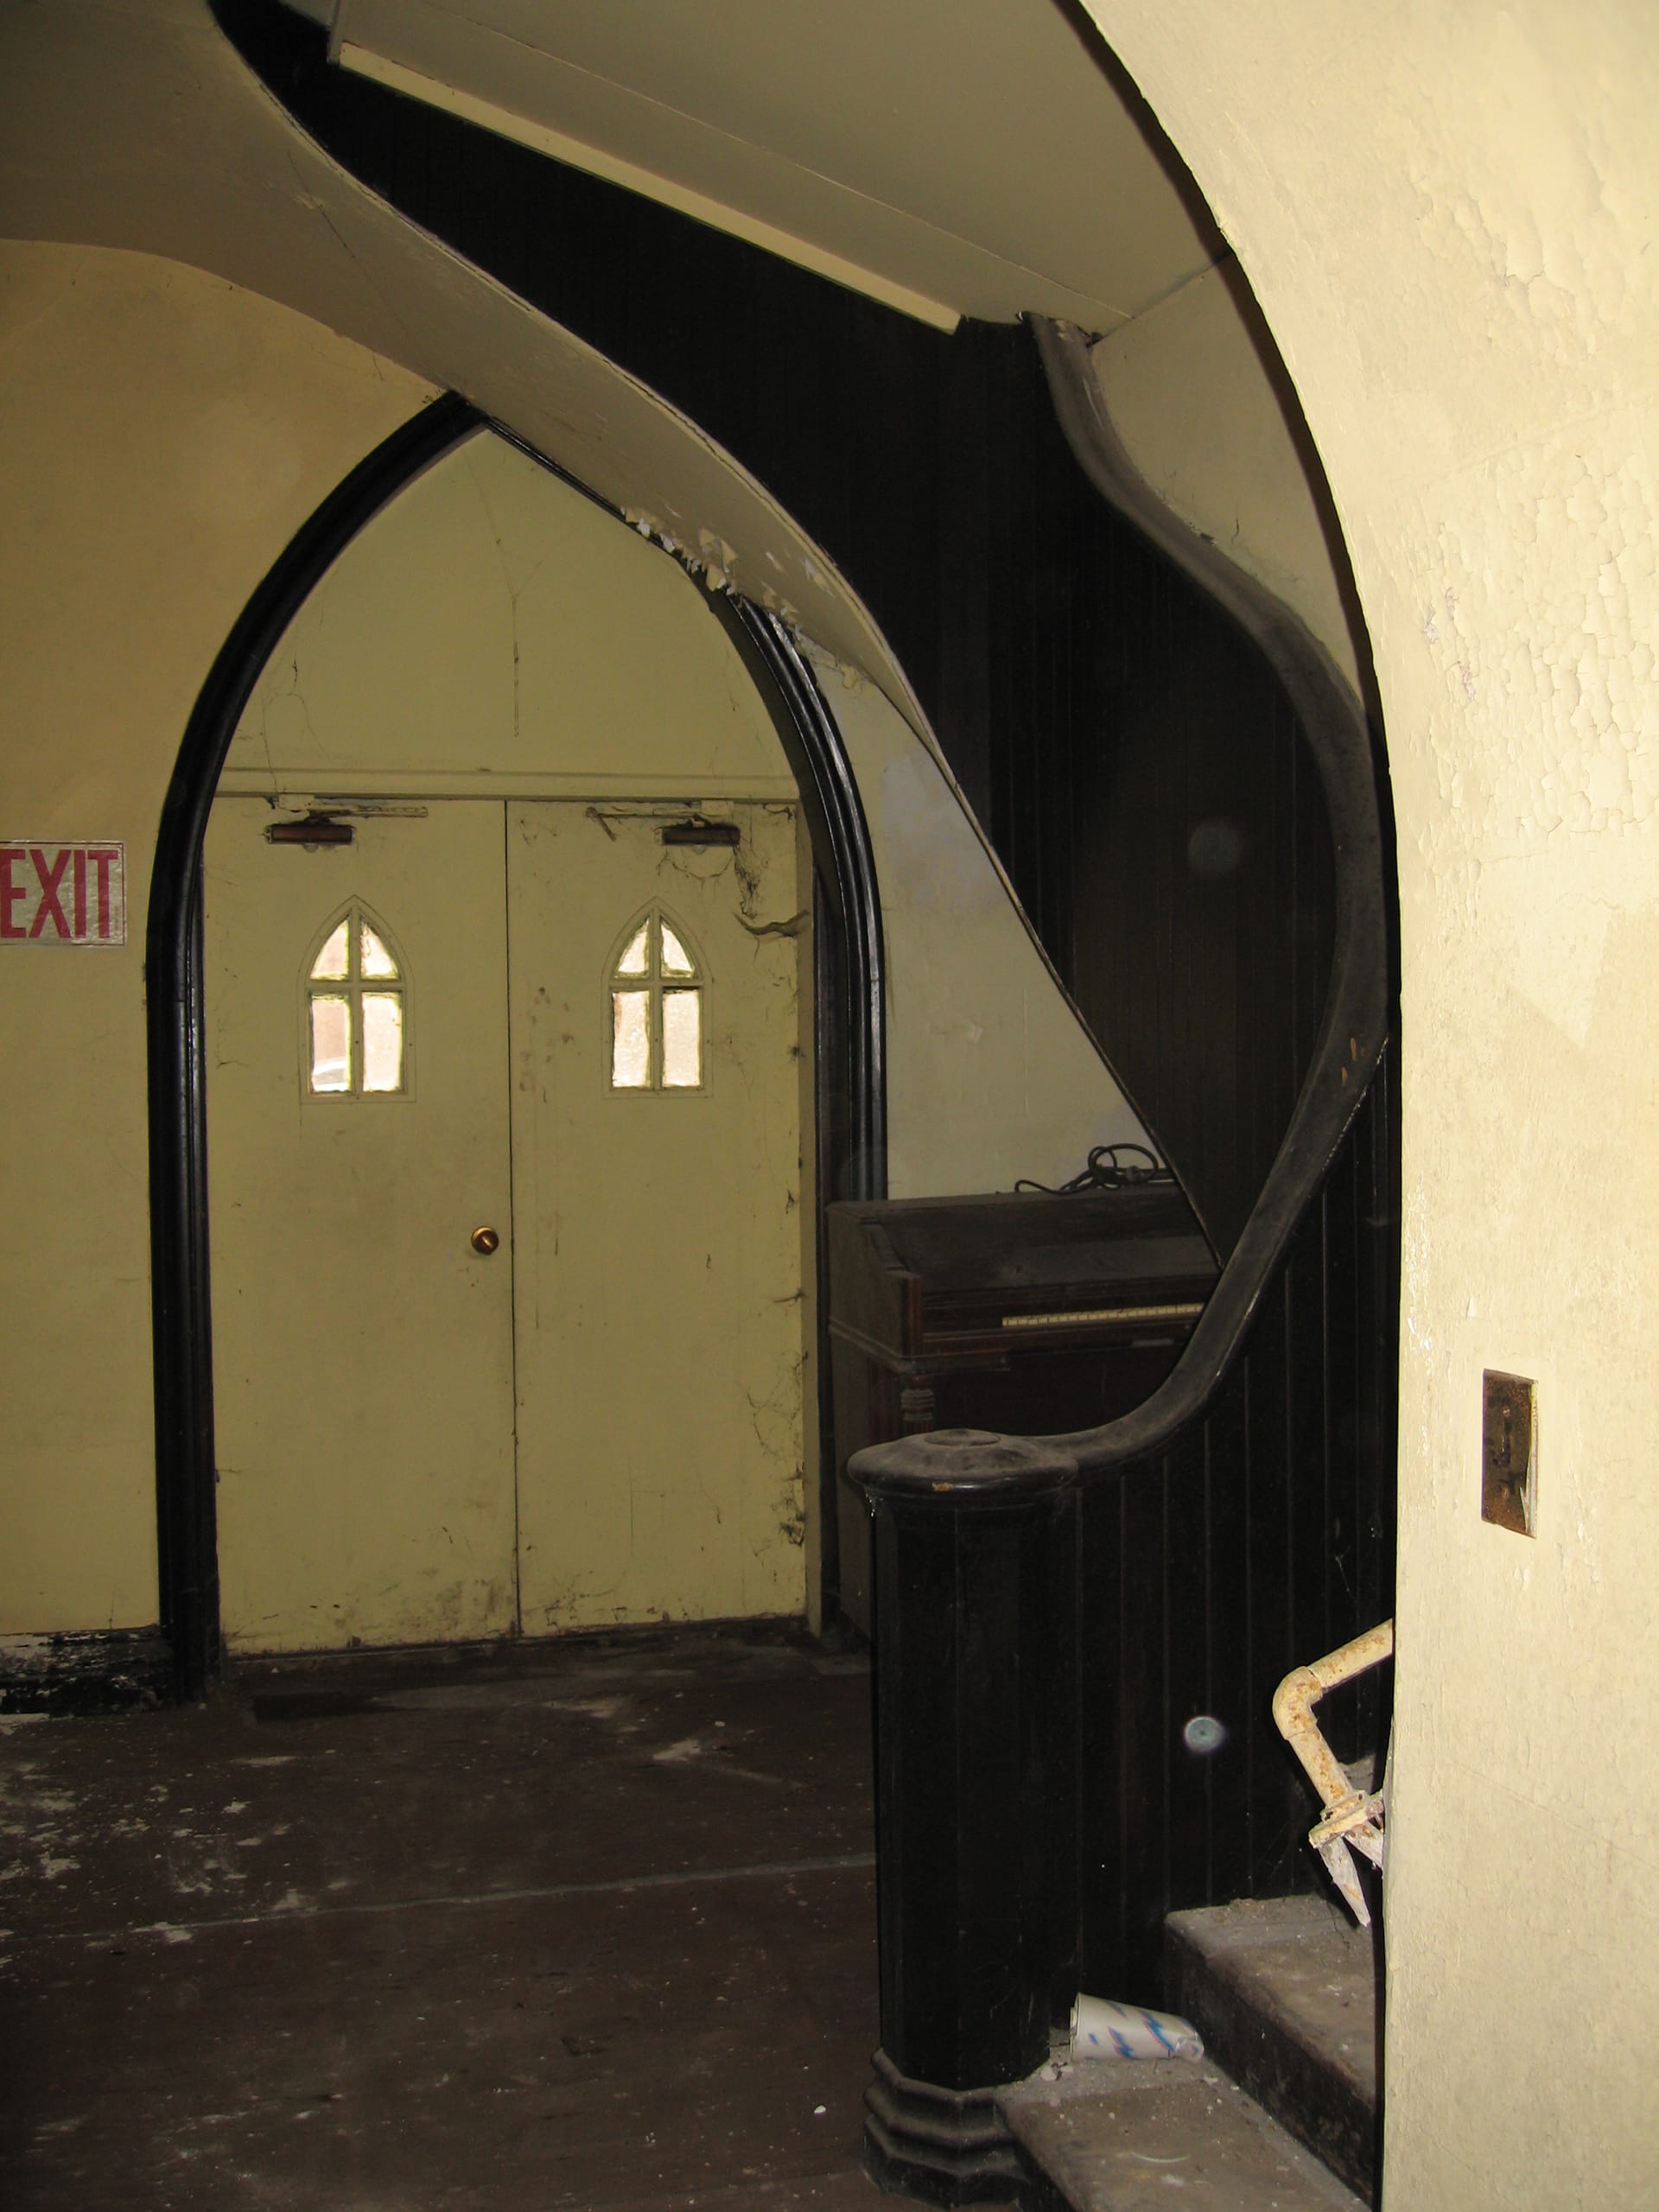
(1311, 2100)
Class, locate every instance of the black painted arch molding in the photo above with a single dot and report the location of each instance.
(180, 1287)
(182, 1315)
(840, 845)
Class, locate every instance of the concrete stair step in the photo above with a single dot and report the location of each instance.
(1285, 1993)
(1107, 2137)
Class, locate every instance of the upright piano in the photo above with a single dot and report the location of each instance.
(1029, 1314)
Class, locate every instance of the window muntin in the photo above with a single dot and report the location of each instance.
(356, 1013)
(656, 992)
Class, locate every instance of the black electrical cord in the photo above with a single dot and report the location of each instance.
(1106, 1172)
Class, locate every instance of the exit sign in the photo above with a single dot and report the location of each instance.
(62, 895)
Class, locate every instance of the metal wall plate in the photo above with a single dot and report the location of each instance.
(1508, 1451)
(700, 831)
(317, 829)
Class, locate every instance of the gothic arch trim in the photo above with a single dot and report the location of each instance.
(851, 1085)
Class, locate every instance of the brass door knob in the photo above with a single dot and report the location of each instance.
(484, 1239)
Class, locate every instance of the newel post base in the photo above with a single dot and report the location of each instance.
(975, 1663)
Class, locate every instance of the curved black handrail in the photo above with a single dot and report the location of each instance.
(1354, 1025)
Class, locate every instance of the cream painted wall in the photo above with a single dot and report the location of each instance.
(991, 1076)
(162, 437)
(493, 628)
(1447, 215)
(1195, 403)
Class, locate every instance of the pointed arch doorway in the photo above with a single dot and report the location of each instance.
(505, 1332)
(844, 1073)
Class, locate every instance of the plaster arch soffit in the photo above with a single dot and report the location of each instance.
(143, 129)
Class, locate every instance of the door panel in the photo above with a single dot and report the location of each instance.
(658, 1259)
(362, 1349)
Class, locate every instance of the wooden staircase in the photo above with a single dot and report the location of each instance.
(1282, 2111)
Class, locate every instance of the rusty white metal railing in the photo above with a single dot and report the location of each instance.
(1355, 1820)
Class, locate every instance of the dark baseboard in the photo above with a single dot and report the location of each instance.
(946, 2147)
(99, 1670)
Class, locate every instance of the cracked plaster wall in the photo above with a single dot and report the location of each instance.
(1446, 215)
(162, 437)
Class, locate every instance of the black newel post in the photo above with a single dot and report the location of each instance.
(975, 1620)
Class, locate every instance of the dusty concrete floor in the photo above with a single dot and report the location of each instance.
(1112, 2137)
(588, 1924)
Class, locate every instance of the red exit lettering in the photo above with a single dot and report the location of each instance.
(63, 893)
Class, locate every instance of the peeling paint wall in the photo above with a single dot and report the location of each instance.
(162, 437)
(1447, 216)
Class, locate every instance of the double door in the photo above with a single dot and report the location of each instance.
(504, 1171)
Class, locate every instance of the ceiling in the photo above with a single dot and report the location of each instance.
(952, 157)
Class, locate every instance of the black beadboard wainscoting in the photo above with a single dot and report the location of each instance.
(1263, 1537)
(1045, 1633)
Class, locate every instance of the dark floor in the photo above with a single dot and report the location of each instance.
(585, 1924)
